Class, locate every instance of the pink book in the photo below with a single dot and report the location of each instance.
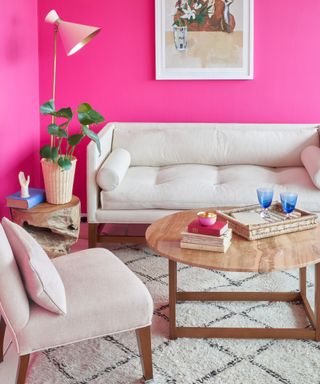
(216, 229)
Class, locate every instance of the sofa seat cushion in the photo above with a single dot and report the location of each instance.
(188, 186)
(103, 297)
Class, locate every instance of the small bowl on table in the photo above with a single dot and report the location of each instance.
(206, 218)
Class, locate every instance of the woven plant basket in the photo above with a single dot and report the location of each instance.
(58, 183)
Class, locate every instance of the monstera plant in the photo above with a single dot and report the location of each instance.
(62, 144)
(58, 159)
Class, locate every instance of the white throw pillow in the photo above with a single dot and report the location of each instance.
(41, 279)
(113, 169)
(310, 158)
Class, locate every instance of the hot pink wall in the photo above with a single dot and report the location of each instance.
(19, 96)
(116, 71)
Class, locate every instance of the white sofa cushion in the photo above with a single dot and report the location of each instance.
(41, 279)
(188, 186)
(152, 144)
(310, 158)
(113, 169)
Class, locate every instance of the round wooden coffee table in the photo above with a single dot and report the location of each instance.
(295, 250)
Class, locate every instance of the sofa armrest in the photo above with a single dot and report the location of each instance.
(94, 161)
(310, 158)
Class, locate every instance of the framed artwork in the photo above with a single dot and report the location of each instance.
(204, 39)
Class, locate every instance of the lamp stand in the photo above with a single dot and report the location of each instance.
(54, 62)
(55, 33)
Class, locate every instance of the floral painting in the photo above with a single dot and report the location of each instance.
(204, 39)
(205, 15)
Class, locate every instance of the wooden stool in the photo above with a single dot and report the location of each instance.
(56, 227)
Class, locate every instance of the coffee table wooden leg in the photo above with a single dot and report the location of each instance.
(172, 299)
(317, 301)
(303, 281)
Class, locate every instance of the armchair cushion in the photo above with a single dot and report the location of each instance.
(41, 279)
(310, 158)
(113, 169)
(103, 297)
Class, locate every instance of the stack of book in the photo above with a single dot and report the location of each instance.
(214, 238)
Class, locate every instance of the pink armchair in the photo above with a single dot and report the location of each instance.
(103, 297)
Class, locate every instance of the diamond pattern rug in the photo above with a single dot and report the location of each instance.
(115, 359)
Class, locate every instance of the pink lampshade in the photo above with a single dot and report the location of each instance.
(74, 36)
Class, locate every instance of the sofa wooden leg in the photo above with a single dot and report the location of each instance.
(144, 344)
(2, 332)
(22, 369)
(92, 235)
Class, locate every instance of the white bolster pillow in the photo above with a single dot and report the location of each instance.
(113, 169)
(310, 158)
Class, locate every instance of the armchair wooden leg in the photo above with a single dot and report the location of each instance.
(92, 235)
(22, 369)
(144, 344)
(2, 332)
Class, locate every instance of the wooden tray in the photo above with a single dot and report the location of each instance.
(276, 225)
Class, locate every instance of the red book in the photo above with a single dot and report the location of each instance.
(216, 229)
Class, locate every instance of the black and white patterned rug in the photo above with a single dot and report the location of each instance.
(115, 360)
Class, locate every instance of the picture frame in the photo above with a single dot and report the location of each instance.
(204, 39)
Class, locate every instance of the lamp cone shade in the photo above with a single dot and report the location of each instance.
(74, 36)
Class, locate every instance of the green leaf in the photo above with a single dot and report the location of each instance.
(45, 152)
(90, 117)
(48, 152)
(62, 133)
(93, 136)
(87, 115)
(64, 163)
(75, 139)
(54, 153)
(53, 129)
(47, 108)
(64, 112)
(84, 107)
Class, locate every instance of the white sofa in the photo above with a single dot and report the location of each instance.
(149, 170)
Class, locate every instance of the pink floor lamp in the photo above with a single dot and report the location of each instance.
(74, 37)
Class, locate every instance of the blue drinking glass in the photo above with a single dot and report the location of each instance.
(265, 196)
(288, 202)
